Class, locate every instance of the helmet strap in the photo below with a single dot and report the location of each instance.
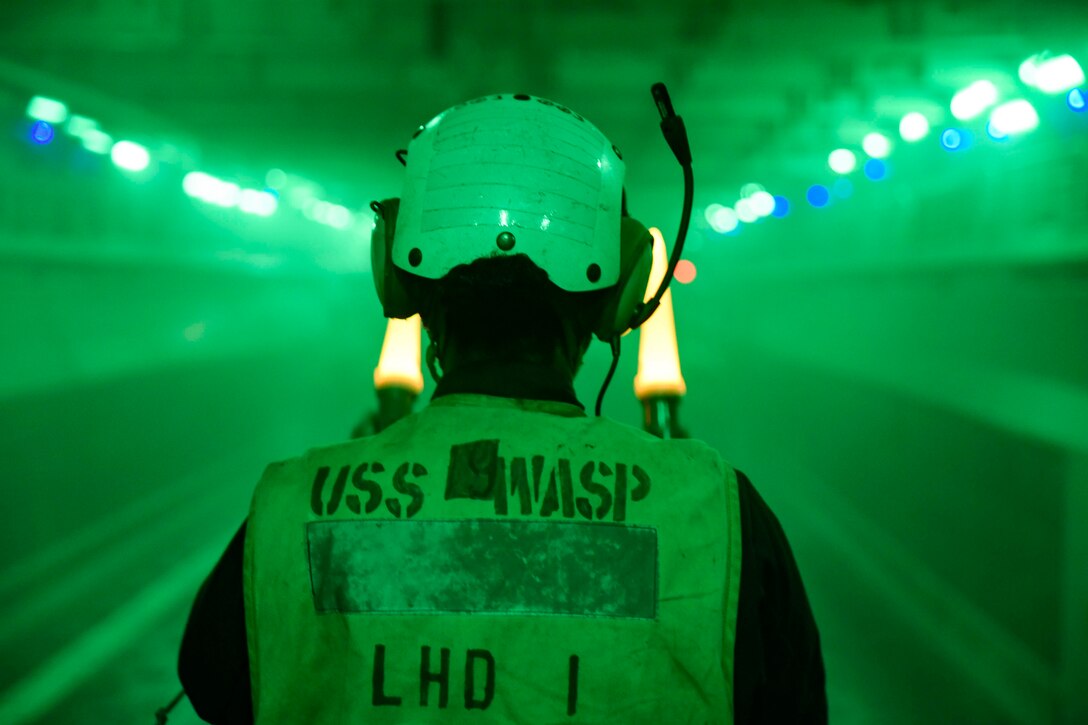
(432, 362)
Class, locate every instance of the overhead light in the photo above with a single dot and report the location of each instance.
(1076, 100)
(724, 220)
(260, 203)
(875, 169)
(1013, 117)
(842, 161)
(97, 142)
(995, 133)
(876, 145)
(973, 100)
(951, 139)
(45, 109)
(1052, 75)
(199, 185)
(318, 211)
(338, 217)
(762, 203)
(818, 195)
(745, 212)
(41, 132)
(194, 332)
(710, 211)
(78, 126)
(1028, 69)
(913, 127)
(275, 178)
(227, 194)
(130, 156)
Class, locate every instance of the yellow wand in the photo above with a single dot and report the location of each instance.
(398, 379)
(659, 383)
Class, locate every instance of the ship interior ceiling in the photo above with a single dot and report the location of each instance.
(881, 313)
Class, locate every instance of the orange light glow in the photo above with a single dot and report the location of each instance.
(684, 272)
(658, 355)
(399, 364)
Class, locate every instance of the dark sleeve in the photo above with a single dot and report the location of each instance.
(778, 672)
(213, 664)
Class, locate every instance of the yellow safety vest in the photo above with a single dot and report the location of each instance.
(491, 560)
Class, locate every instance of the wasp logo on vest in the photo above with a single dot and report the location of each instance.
(477, 471)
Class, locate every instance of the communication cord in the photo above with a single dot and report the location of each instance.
(672, 126)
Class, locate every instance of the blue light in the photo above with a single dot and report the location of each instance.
(995, 134)
(875, 169)
(41, 132)
(843, 188)
(1075, 99)
(818, 195)
(781, 206)
(951, 139)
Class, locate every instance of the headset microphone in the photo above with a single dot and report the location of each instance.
(672, 126)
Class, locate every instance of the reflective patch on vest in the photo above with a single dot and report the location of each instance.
(483, 567)
(473, 470)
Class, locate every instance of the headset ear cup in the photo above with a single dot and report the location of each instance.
(379, 247)
(392, 285)
(636, 259)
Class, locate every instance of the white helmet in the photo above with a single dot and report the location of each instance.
(512, 174)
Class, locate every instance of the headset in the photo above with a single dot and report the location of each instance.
(509, 174)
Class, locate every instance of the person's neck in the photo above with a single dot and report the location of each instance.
(508, 378)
